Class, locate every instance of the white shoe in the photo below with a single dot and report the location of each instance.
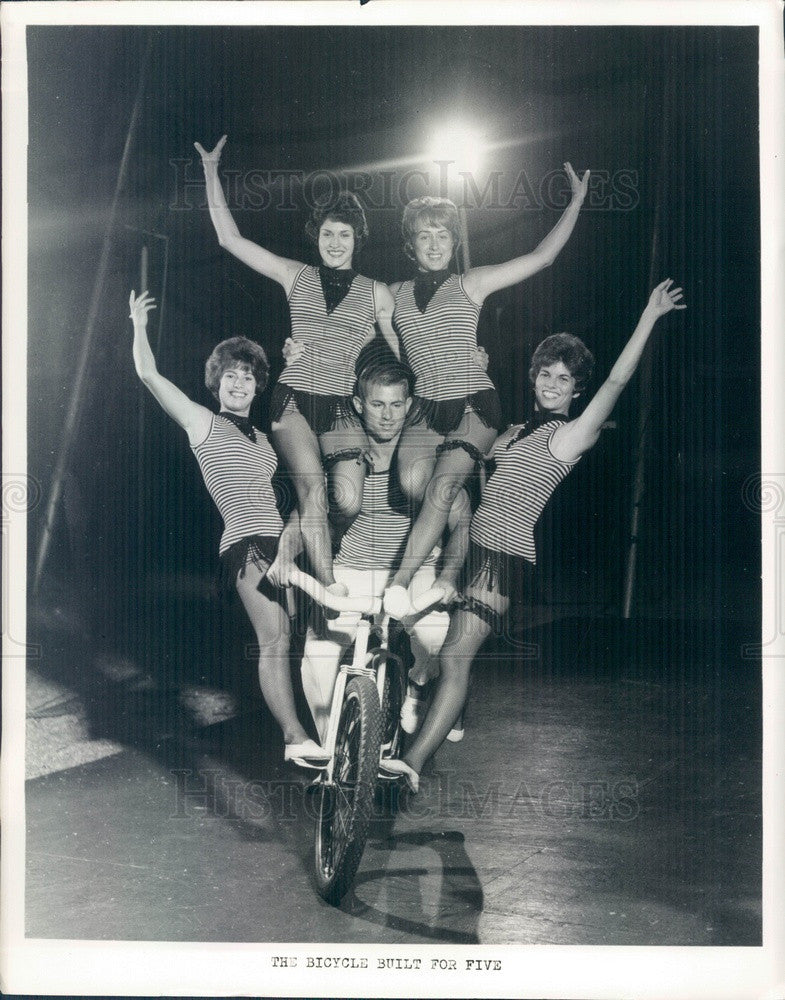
(397, 768)
(455, 735)
(411, 713)
(306, 754)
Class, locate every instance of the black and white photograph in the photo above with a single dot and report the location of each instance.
(393, 499)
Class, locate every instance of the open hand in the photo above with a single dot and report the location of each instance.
(578, 185)
(214, 155)
(664, 298)
(480, 356)
(292, 350)
(140, 307)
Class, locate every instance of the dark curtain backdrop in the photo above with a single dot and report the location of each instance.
(670, 116)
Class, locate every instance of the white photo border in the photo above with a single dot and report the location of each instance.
(45, 967)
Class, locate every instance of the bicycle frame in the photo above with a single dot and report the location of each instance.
(370, 610)
(363, 711)
(358, 666)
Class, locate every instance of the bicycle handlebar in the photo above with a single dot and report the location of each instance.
(365, 604)
(427, 599)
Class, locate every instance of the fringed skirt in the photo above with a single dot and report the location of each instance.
(444, 415)
(323, 413)
(499, 572)
(257, 549)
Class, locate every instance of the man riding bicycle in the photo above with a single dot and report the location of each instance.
(371, 548)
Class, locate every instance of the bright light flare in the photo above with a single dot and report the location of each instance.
(459, 143)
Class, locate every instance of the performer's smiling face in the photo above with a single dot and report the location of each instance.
(554, 388)
(336, 244)
(237, 389)
(383, 409)
(433, 247)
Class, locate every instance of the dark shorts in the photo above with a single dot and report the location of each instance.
(443, 416)
(496, 574)
(257, 549)
(323, 413)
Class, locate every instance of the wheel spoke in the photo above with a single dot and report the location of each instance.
(344, 829)
(343, 822)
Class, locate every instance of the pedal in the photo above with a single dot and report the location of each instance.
(383, 775)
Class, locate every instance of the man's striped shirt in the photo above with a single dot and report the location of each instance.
(377, 537)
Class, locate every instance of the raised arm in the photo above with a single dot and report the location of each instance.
(193, 418)
(572, 439)
(280, 269)
(480, 282)
(385, 303)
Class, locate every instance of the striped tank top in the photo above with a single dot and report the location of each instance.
(377, 537)
(440, 341)
(526, 475)
(332, 340)
(238, 476)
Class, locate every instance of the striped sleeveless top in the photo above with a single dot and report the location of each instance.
(376, 539)
(332, 340)
(526, 475)
(238, 476)
(439, 342)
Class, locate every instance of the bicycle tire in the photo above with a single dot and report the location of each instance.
(346, 803)
(393, 694)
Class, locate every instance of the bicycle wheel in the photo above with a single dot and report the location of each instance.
(345, 805)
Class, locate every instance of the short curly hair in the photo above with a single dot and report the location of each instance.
(429, 211)
(345, 208)
(571, 351)
(240, 352)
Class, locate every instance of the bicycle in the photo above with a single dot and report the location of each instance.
(363, 729)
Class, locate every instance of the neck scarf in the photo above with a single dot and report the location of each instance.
(243, 424)
(335, 284)
(425, 285)
(539, 418)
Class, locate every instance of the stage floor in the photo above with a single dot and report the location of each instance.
(607, 792)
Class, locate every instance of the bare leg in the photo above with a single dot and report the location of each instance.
(271, 625)
(427, 631)
(417, 459)
(451, 471)
(321, 659)
(298, 446)
(344, 450)
(466, 635)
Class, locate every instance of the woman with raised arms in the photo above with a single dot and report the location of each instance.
(237, 464)
(456, 414)
(333, 311)
(532, 459)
